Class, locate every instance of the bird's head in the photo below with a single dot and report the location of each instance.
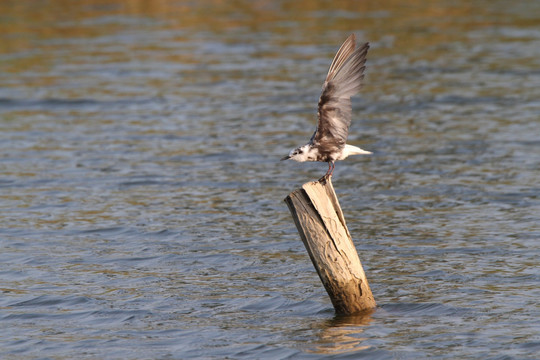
(301, 154)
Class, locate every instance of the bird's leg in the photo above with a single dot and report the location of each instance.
(331, 167)
(329, 173)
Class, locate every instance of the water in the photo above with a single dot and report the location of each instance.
(141, 192)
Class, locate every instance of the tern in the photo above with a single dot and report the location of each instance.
(344, 79)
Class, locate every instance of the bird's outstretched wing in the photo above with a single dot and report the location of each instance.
(344, 79)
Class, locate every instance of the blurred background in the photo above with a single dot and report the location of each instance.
(141, 212)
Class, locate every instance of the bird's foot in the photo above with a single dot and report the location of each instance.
(325, 179)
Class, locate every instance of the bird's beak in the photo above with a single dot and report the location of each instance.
(285, 158)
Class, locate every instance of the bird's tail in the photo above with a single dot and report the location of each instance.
(353, 150)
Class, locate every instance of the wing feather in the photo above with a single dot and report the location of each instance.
(342, 55)
(344, 80)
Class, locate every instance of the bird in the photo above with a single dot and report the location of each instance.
(344, 79)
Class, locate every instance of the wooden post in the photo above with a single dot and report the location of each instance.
(321, 225)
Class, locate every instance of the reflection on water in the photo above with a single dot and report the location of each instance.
(342, 334)
(141, 192)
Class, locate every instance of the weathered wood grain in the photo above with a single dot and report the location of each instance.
(321, 225)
